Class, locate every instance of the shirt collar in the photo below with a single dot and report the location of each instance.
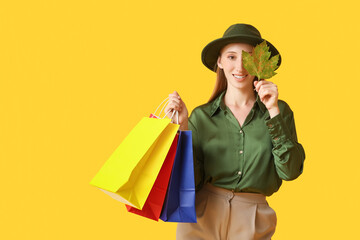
(219, 103)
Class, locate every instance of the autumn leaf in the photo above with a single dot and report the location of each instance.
(259, 63)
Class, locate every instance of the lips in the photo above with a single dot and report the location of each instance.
(239, 76)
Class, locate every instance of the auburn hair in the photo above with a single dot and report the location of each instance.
(220, 84)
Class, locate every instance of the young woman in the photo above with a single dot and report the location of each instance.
(244, 143)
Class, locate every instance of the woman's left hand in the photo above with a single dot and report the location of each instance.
(268, 94)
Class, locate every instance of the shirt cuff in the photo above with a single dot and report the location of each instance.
(278, 130)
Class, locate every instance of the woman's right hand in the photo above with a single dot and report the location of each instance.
(177, 104)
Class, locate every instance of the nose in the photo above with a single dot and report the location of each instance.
(239, 65)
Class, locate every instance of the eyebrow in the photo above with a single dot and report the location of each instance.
(236, 52)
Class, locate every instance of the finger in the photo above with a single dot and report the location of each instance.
(174, 106)
(265, 98)
(173, 95)
(263, 92)
(264, 84)
(268, 86)
(176, 94)
(173, 99)
(259, 84)
(168, 112)
(168, 109)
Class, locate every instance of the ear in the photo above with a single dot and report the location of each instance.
(218, 63)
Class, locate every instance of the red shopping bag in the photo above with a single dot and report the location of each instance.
(154, 203)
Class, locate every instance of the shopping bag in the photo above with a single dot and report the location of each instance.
(179, 205)
(130, 172)
(154, 202)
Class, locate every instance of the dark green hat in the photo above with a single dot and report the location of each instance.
(239, 32)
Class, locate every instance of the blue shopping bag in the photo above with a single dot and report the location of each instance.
(179, 205)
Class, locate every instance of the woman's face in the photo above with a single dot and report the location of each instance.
(230, 60)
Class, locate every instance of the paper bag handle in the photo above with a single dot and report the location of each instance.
(166, 102)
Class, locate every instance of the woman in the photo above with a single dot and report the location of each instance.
(244, 143)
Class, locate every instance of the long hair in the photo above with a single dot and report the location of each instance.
(220, 84)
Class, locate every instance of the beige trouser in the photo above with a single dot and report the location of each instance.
(224, 215)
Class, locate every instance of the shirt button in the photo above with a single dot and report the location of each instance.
(239, 172)
(241, 131)
(241, 151)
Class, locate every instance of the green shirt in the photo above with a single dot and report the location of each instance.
(255, 157)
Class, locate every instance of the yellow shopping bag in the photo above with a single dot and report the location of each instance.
(130, 172)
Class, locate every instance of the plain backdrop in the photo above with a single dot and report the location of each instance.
(76, 77)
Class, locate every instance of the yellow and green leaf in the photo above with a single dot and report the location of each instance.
(259, 63)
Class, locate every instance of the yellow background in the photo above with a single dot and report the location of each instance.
(76, 76)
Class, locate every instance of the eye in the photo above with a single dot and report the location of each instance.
(231, 57)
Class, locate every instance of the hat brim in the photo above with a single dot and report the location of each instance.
(211, 51)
